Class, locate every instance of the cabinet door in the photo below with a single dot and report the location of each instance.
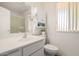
(28, 50)
(15, 53)
(39, 52)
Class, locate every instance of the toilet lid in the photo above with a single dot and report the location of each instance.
(51, 47)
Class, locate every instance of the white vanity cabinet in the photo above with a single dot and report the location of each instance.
(29, 47)
(34, 49)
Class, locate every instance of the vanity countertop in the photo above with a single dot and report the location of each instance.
(17, 42)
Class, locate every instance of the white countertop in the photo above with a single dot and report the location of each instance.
(17, 42)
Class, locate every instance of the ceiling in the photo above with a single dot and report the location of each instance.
(19, 7)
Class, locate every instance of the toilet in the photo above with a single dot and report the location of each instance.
(50, 50)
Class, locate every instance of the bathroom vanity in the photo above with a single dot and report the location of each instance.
(14, 25)
(30, 46)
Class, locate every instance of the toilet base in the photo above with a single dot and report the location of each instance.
(47, 54)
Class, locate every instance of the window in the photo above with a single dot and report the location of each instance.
(68, 19)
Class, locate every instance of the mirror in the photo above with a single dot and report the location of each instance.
(12, 19)
(19, 18)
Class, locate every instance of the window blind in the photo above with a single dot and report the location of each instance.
(68, 19)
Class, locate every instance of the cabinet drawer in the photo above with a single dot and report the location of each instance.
(28, 50)
(40, 52)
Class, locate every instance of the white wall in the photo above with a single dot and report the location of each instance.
(4, 21)
(67, 42)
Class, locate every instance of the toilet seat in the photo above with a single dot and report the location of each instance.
(51, 47)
